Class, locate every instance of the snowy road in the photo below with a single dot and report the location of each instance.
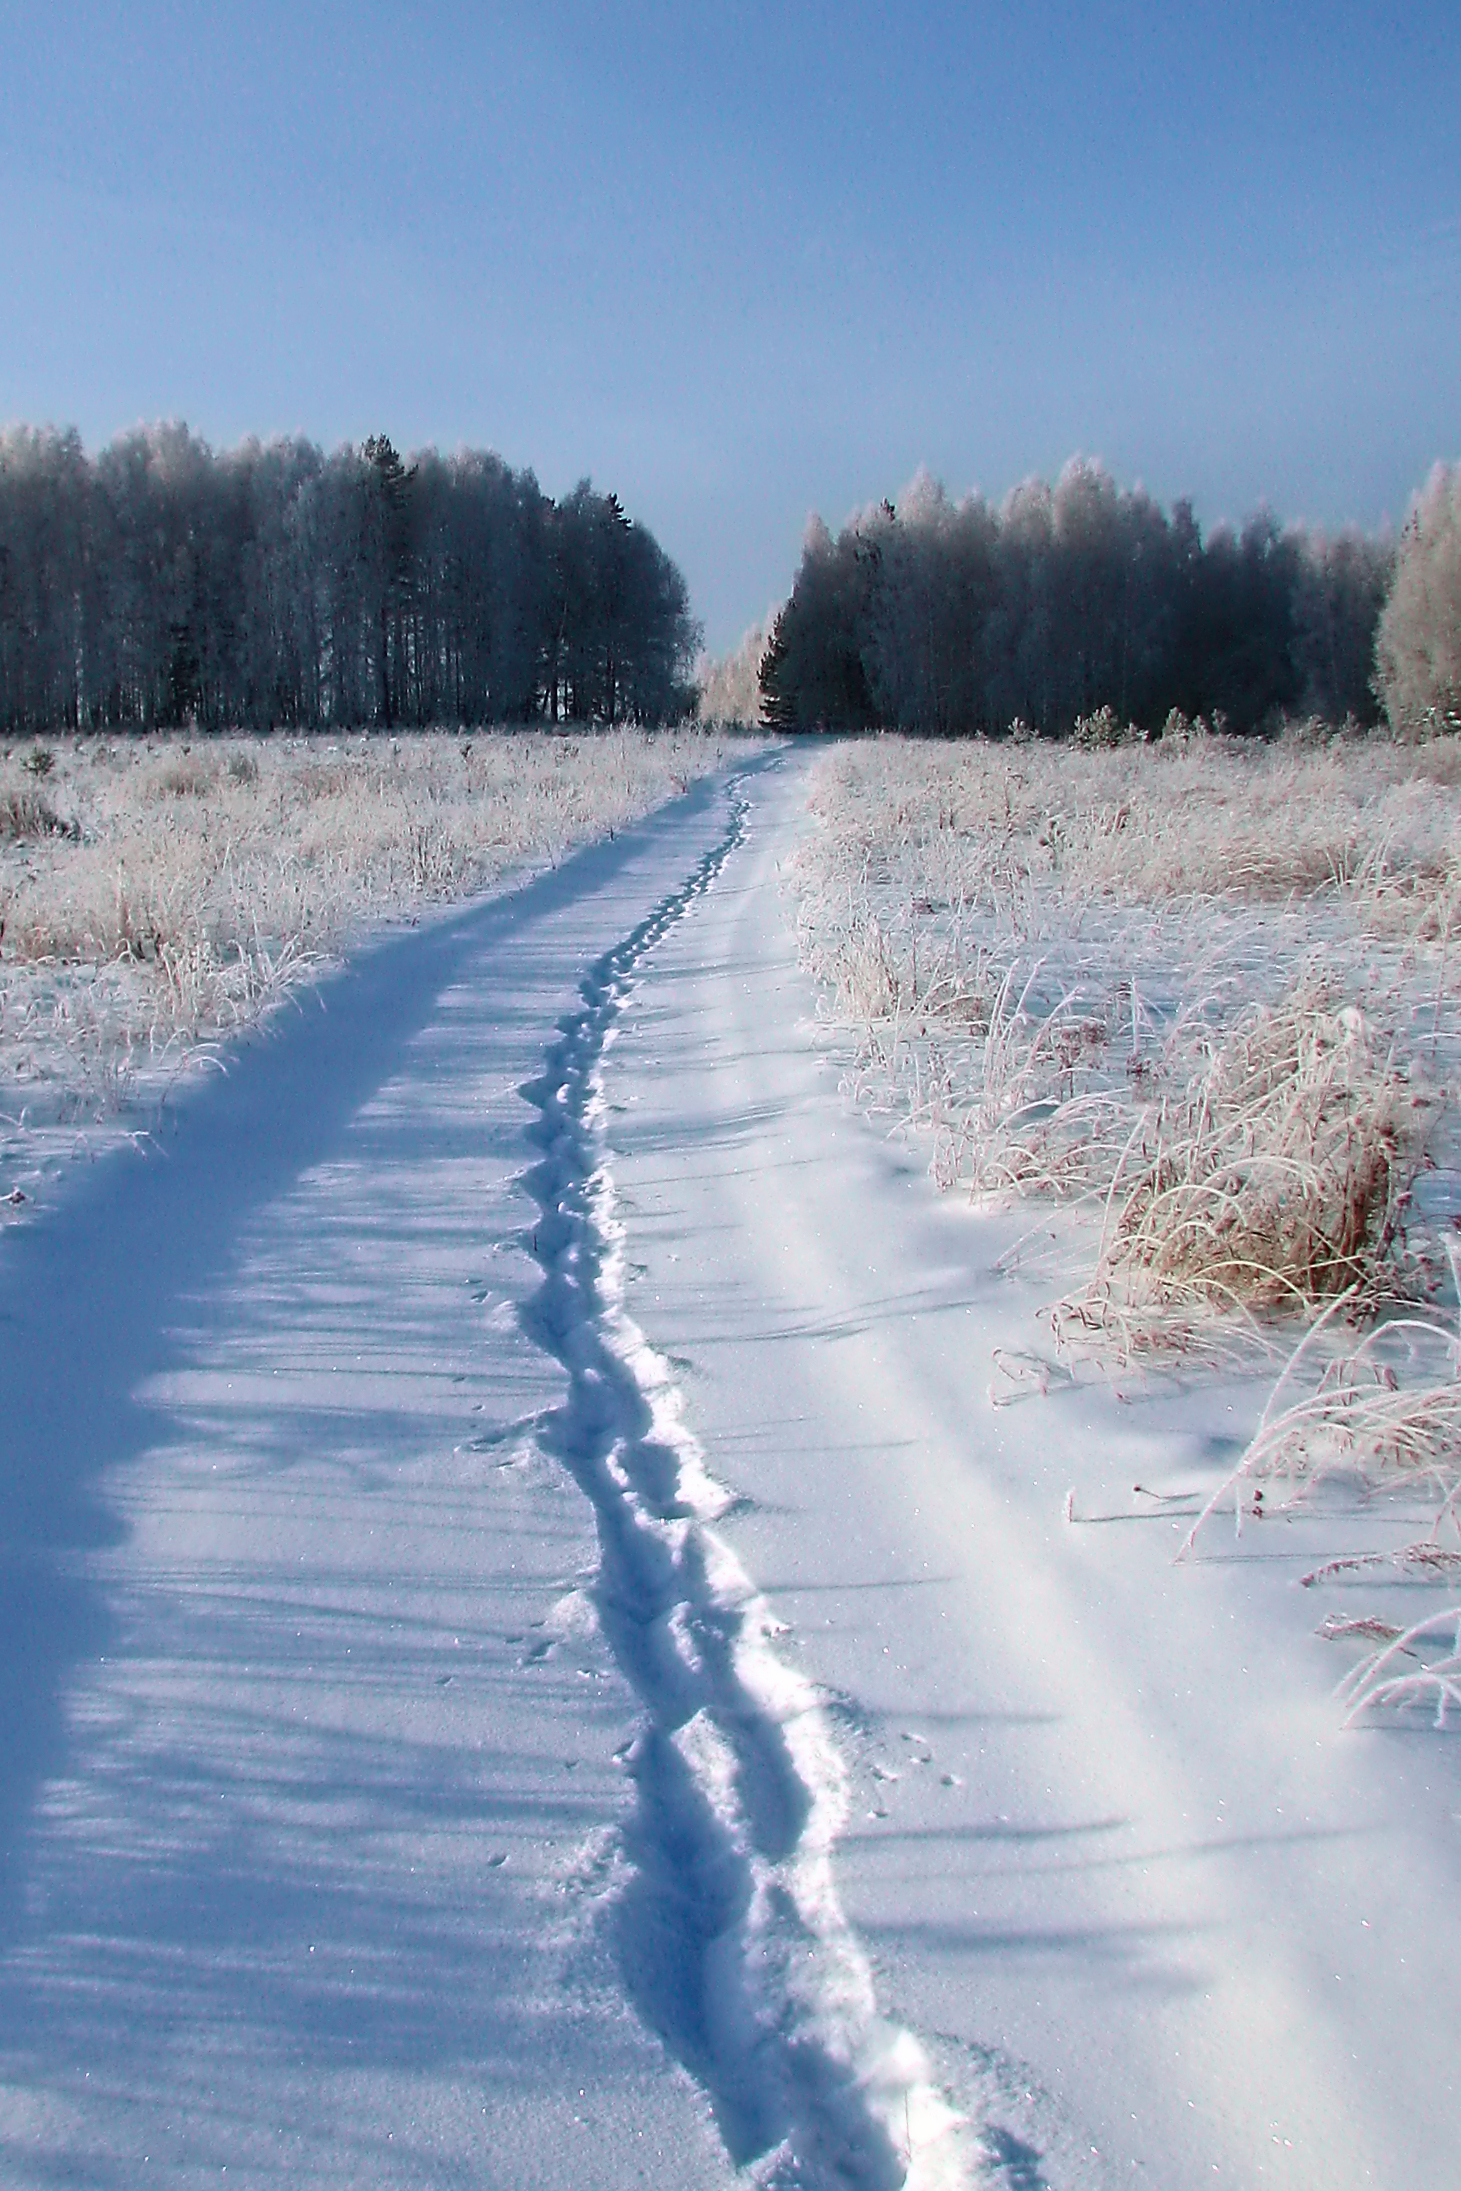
(308, 1743)
(530, 1659)
(1154, 1914)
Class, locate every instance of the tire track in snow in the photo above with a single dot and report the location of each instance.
(731, 1937)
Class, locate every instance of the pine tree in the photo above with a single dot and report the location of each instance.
(778, 705)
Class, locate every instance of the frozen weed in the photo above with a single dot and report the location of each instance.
(1131, 975)
(1383, 1678)
(180, 887)
(1272, 1180)
(1205, 990)
(1183, 816)
(1362, 1421)
(27, 814)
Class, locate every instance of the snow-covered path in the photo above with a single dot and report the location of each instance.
(309, 1743)
(1155, 1914)
(529, 1659)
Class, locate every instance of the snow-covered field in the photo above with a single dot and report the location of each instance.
(157, 894)
(569, 1621)
(1197, 1007)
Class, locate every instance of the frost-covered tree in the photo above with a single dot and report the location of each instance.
(163, 630)
(813, 674)
(163, 585)
(1235, 639)
(932, 587)
(1418, 652)
(47, 582)
(385, 566)
(621, 638)
(1342, 582)
(955, 618)
(279, 658)
(730, 689)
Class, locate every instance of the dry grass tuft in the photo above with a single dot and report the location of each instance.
(1273, 1180)
(27, 814)
(1383, 1678)
(1365, 1424)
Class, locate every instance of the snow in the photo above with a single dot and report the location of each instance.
(1156, 1915)
(310, 1748)
(531, 1656)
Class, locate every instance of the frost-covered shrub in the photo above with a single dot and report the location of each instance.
(1204, 986)
(1269, 1180)
(1418, 652)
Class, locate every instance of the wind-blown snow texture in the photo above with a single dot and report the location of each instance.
(529, 1659)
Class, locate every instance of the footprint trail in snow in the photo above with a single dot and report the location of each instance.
(731, 1937)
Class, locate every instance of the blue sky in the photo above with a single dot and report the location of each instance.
(741, 262)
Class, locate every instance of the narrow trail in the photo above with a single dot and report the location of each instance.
(295, 1798)
(731, 1936)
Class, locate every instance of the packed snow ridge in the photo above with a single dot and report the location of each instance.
(731, 1937)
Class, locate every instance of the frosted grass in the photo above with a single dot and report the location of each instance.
(1202, 996)
(156, 895)
(1210, 993)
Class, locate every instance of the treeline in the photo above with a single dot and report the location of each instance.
(161, 584)
(963, 618)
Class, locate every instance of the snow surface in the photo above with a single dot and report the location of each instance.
(1154, 1914)
(531, 1658)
